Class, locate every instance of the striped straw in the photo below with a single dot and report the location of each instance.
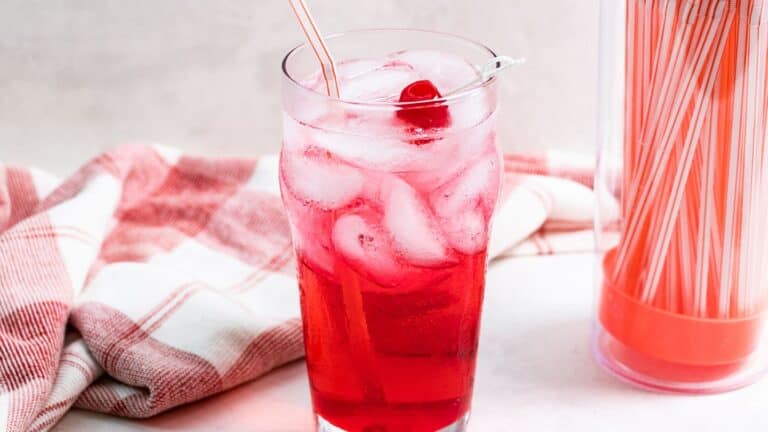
(695, 184)
(702, 103)
(318, 45)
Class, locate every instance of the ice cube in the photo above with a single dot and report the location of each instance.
(365, 246)
(436, 175)
(294, 136)
(310, 230)
(452, 154)
(463, 205)
(371, 152)
(477, 184)
(314, 82)
(366, 79)
(446, 71)
(466, 230)
(313, 245)
(306, 110)
(321, 181)
(411, 224)
(351, 69)
(311, 237)
(378, 85)
(471, 110)
(474, 141)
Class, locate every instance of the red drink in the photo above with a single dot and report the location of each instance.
(415, 370)
(390, 206)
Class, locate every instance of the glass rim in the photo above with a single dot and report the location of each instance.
(466, 92)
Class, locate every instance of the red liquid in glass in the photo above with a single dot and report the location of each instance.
(415, 371)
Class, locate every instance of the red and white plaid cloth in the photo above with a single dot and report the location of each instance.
(150, 279)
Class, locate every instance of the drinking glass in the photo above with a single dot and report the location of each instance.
(390, 204)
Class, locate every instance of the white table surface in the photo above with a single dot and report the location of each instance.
(535, 373)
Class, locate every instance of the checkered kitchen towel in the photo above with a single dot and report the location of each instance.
(150, 279)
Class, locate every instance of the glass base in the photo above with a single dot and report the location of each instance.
(657, 375)
(459, 425)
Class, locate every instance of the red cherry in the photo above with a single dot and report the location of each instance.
(427, 115)
(419, 91)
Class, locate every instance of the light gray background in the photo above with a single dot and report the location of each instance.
(80, 76)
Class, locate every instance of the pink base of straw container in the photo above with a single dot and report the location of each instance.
(656, 375)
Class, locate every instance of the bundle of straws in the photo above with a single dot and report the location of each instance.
(695, 184)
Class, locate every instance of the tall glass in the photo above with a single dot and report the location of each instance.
(683, 184)
(390, 204)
